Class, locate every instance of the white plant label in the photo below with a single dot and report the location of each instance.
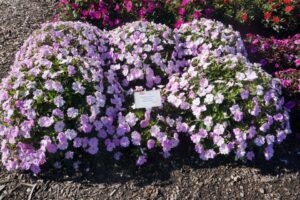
(147, 99)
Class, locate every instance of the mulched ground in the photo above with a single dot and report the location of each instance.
(183, 177)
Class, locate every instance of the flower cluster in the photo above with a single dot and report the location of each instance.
(145, 55)
(71, 92)
(58, 97)
(290, 79)
(142, 52)
(274, 54)
(204, 35)
(230, 106)
(110, 13)
(280, 57)
(277, 15)
(142, 55)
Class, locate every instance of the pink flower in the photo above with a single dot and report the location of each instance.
(64, 2)
(128, 6)
(197, 14)
(178, 23)
(181, 11)
(184, 2)
(142, 12)
(74, 6)
(84, 13)
(297, 62)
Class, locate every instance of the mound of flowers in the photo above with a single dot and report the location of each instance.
(205, 35)
(229, 105)
(58, 97)
(142, 58)
(70, 93)
(142, 52)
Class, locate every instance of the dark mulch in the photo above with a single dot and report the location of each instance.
(183, 177)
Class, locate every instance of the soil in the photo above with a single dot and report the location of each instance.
(182, 177)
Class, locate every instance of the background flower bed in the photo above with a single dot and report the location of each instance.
(275, 15)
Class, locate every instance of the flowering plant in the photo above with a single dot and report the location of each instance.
(56, 95)
(229, 105)
(70, 92)
(204, 35)
(290, 79)
(141, 52)
(274, 54)
(145, 55)
(275, 14)
(110, 13)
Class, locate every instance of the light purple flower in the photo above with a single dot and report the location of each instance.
(136, 138)
(72, 112)
(45, 121)
(124, 141)
(141, 160)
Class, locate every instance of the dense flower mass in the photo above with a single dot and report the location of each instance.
(229, 105)
(58, 96)
(71, 92)
(142, 52)
(205, 35)
(274, 54)
(275, 15)
(142, 59)
(280, 57)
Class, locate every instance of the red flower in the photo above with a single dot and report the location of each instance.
(244, 17)
(226, 1)
(276, 20)
(287, 1)
(288, 9)
(267, 15)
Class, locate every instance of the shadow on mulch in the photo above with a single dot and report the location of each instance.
(105, 170)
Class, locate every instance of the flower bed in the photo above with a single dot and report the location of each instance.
(276, 15)
(274, 54)
(70, 93)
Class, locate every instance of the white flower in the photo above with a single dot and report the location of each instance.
(219, 129)
(259, 90)
(209, 99)
(240, 76)
(251, 75)
(78, 88)
(208, 121)
(196, 101)
(219, 98)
